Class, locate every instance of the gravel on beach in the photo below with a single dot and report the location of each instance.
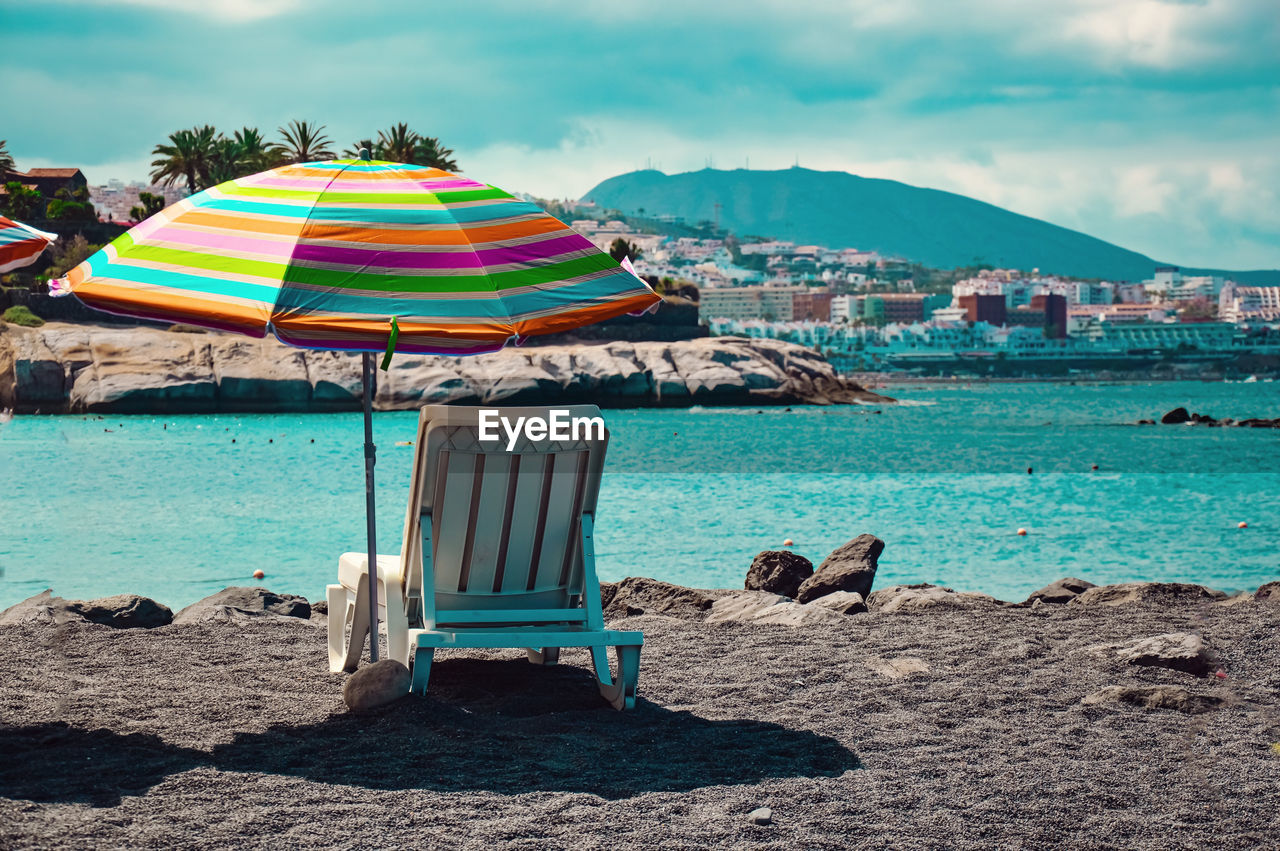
(959, 728)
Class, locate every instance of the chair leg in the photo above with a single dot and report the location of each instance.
(543, 656)
(348, 627)
(621, 693)
(422, 657)
(600, 661)
(397, 625)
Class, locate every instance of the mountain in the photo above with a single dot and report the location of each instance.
(837, 209)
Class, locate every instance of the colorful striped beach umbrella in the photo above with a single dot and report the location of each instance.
(21, 244)
(326, 255)
(365, 256)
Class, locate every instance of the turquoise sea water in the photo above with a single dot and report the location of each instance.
(172, 508)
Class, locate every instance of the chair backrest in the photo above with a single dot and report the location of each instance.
(499, 518)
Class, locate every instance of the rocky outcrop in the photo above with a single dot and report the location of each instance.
(1155, 697)
(844, 602)
(912, 598)
(779, 572)
(244, 602)
(1181, 416)
(639, 595)
(62, 367)
(1062, 591)
(1146, 592)
(1268, 592)
(761, 607)
(851, 567)
(1180, 651)
(122, 611)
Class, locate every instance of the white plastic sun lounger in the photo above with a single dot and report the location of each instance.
(497, 552)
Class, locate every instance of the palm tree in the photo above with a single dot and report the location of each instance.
(6, 159)
(304, 142)
(256, 153)
(187, 155)
(399, 144)
(226, 162)
(434, 155)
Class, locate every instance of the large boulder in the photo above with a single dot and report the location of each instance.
(1145, 592)
(1268, 592)
(1155, 697)
(245, 602)
(1181, 651)
(761, 607)
(376, 685)
(913, 598)
(779, 572)
(639, 595)
(1062, 591)
(1177, 416)
(852, 567)
(123, 611)
(844, 602)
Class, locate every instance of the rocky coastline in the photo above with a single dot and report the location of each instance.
(1181, 416)
(76, 368)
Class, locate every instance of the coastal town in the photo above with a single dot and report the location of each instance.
(867, 313)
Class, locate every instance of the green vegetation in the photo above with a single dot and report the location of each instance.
(68, 254)
(186, 157)
(71, 205)
(6, 159)
(400, 144)
(19, 314)
(304, 142)
(22, 203)
(202, 157)
(620, 248)
(149, 206)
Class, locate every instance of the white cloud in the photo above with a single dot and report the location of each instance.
(231, 11)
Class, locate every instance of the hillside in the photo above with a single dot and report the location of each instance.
(939, 229)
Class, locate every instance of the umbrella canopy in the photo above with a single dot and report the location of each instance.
(21, 244)
(325, 255)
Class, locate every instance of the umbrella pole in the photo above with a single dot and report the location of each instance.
(370, 379)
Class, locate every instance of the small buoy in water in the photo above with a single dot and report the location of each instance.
(1022, 531)
(788, 543)
(1242, 525)
(273, 440)
(233, 440)
(1095, 466)
(258, 574)
(313, 440)
(1030, 470)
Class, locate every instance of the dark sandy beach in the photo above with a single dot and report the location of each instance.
(953, 726)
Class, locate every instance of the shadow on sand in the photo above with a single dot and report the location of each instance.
(506, 727)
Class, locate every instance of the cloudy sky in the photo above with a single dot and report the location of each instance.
(1149, 123)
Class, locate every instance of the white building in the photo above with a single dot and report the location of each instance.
(1243, 304)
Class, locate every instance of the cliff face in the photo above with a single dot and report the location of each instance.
(64, 368)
